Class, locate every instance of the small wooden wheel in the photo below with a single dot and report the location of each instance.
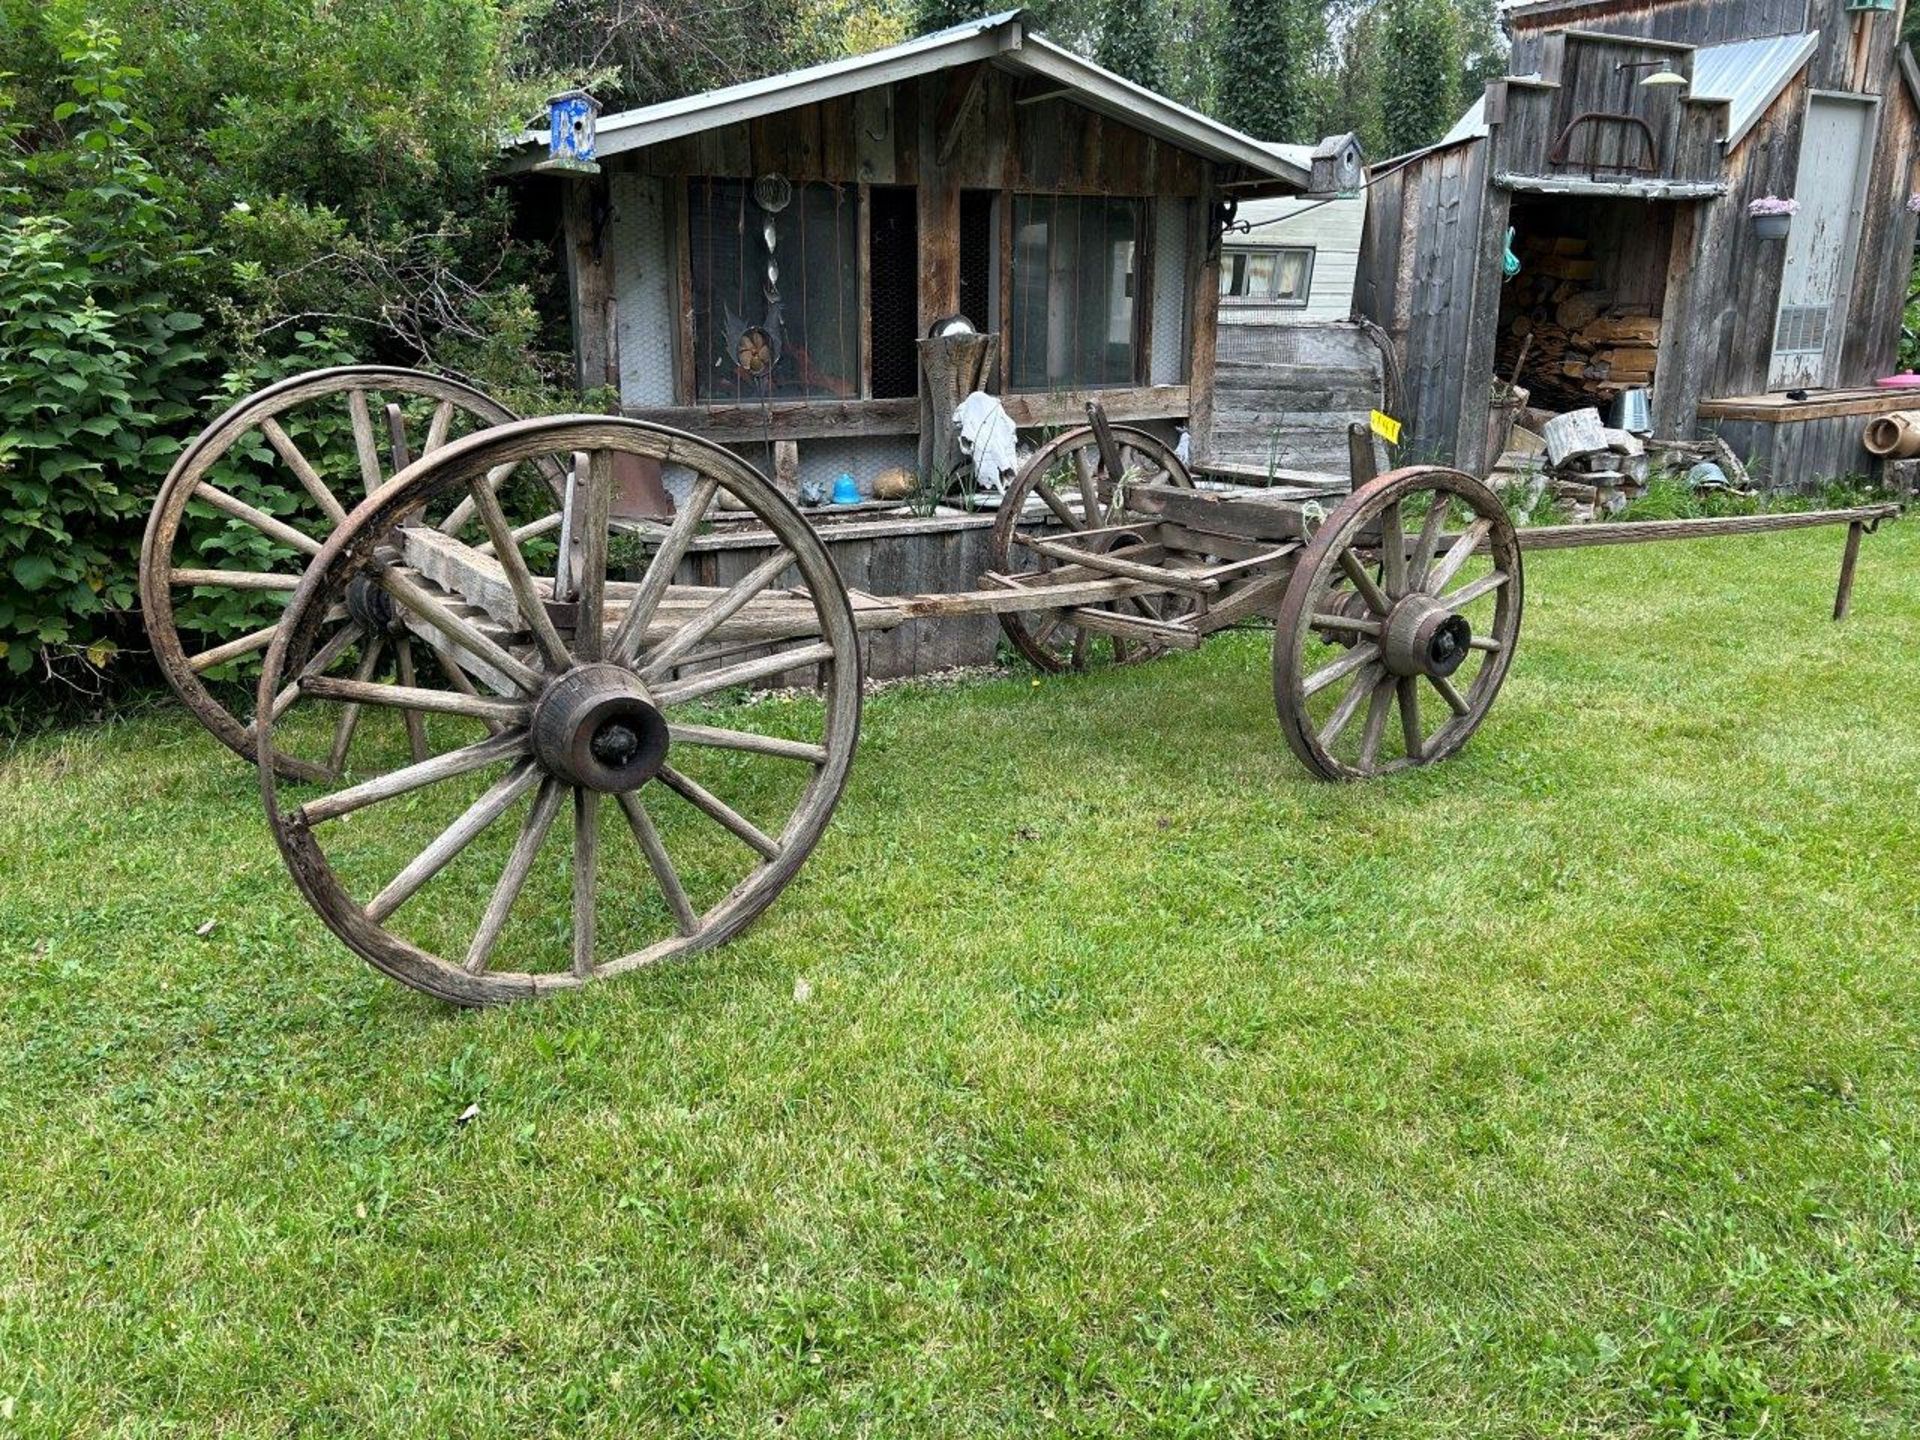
(262, 487)
(1066, 475)
(1412, 585)
(598, 702)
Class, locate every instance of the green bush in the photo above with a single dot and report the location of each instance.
(99, 366)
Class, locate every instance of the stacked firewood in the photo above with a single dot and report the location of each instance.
(1594, 470)
(1580, 346)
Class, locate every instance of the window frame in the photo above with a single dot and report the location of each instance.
(1272, 302)
(687, 384)
(1139, 297)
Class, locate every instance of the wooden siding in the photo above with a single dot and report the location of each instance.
(1285, 394)
(1429, 276)
(1800, 454)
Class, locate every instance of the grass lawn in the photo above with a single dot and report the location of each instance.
(1146, 1087)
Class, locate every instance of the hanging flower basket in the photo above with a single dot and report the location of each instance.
(1772, 217)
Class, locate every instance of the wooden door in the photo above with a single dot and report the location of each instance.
(1835, 150)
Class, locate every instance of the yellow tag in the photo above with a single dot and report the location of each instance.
(1386, 427)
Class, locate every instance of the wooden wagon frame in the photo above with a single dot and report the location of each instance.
(1401, 599)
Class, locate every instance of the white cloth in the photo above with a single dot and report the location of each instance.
(987, 435)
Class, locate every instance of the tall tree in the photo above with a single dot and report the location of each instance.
(1131, 42)
(1272, 53)
(1420, 87)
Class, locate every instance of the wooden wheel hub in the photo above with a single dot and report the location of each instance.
(1423, 637)
(596, 726)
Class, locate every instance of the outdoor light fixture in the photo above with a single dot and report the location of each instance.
(1661, 78)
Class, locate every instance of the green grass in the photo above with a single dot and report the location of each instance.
(1146, 1087)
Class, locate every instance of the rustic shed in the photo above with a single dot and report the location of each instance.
(1623, 151)
(757, 263)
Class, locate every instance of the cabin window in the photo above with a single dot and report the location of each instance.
(1271, 276)
(776, 290)
(1073, 316)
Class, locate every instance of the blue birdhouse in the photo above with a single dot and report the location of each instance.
(573, 117)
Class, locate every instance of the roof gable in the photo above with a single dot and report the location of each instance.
(1002, 39)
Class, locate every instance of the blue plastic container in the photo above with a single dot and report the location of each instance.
(845, 492)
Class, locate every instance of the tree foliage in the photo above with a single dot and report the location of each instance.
(1132, 42)
(1420, 88)
(100, 359)
(1272, 53)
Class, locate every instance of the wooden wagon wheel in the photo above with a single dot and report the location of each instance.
(599, 704)
(1412, 585)
(285, 445)
(1068, 477)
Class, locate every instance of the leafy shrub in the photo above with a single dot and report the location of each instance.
(99, 366)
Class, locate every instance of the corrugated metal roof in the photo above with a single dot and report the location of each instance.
(1001, 38)
(1749, 75)
(1470, 126)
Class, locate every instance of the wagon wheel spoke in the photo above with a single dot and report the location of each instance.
(1358, 693)
(364, 448)
(1457, 555)
(458, 517)
(658, 861)
(631, 631)
(337, 645)
(1473, 590)
(448, 844)
(1059, 507)
(437, 428)
(1456, 702)
(593, 498)
(1369, 589)
(1089, 490)
(1429, 538)
(1379, 706)
(716, 613)
(744, 672)
(416, 776)
(415, 722)
(1393, 553)
(461, 632)
(586, 874)
(1354, 659)
(721, 813)
(266, 524)
(718, 738)
(546, 637)
(398, 451)
(1412, 733)
(348, 720)
(513, 877)
(303, 470)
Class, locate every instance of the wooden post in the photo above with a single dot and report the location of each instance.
(950, 367)
(583, 208)
(1362, 463)
(1204, 267)
(1843, 597)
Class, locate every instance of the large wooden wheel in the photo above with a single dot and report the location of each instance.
(686, 819)
(1069, 478)
(261, 488)
(1407, 598)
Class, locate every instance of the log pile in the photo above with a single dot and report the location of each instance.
(1594, 470)
(1582, 348)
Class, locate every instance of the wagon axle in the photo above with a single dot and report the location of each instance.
(597, 726)
(1424, 637)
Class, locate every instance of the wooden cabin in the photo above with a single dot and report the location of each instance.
(756, 264)
(1624, 150)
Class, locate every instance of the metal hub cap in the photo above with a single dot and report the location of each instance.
(596, 726)
(1424, 637)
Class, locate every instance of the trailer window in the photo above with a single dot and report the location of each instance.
(1268, 276)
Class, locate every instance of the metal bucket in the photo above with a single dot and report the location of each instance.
(1632, 412)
